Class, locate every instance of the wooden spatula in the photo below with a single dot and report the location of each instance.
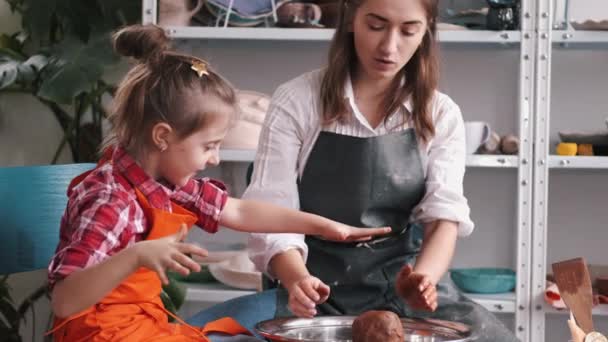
(572, 279)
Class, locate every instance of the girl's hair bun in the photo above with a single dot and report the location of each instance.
(142, 42)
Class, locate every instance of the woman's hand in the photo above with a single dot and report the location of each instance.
(305, 294)
(169, 253)
(416, 289)
(336, 231)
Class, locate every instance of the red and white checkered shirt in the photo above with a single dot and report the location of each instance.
(104, 217)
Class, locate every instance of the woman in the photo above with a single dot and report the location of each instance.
(366, 141)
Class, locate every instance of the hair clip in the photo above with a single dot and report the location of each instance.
(200, 67)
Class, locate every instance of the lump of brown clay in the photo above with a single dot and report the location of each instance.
(378, 326)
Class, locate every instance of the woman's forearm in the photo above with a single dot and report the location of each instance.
(288, 267)
(84, 288)
(437, 249)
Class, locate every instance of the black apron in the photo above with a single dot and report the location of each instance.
(374, 182)
(361, 182)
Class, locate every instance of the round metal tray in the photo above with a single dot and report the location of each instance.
(338, 329)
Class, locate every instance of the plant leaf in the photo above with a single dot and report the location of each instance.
(29, 70)
(76, 68)
(10, 313)
(176, 292)
(37, 17)
(9, 70)
(168, 304)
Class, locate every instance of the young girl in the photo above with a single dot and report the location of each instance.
(125, 221)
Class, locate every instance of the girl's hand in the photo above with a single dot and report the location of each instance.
(416, 289)
(169, 253)
(305, 294)
(340, 232)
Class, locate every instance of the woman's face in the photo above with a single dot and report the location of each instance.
(387, 33)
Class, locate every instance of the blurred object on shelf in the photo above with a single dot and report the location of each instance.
(243, 13)
(330, 10)
(491, 146)
(561, 16)
(450, 27)
(477, 133)
(587, 15)
(509, 144)
(584, 150)
(246, 8)
(299, 14)
(601, 283)
(552, 296)
(590, 25)
(585, 137)
(483, 280)
(588, 143)
(177, 12)
(469, 18)
(238, 271)
(566, 149)
(503, 15)
(246, 132)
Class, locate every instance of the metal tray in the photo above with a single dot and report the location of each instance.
(338, 329)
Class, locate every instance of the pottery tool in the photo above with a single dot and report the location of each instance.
(572, 279)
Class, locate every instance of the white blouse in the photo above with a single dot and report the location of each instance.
(290, 129)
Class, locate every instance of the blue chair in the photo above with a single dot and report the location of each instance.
(32, 201)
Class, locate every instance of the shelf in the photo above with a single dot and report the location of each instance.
(490, 161)
(213, 292)
(573, 36)
(599, 310)
(576, 162)
(218, 293)
(298, 34)
(499, 303)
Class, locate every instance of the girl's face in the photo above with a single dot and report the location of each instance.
(184, 158)
(387, 33)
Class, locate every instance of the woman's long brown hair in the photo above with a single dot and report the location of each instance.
(422, 73)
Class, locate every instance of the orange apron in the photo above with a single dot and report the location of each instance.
(133, 311)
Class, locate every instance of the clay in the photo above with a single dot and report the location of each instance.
(378, 326)
(509, 144)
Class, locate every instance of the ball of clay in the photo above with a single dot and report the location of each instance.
(509, 144)
(378, 326)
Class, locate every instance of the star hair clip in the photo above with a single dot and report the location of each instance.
(200, 67)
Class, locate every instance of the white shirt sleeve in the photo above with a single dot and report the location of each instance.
(275, 173)
(446, 158)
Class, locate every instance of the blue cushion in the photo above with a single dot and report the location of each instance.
(32, 201)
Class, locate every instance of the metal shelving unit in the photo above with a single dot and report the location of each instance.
(580, 37)
(518, 302)
(563, 162)
(548, 40)
(295, 34)
(217, 293)
(487, 161)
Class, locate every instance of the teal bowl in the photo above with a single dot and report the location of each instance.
(484, 280)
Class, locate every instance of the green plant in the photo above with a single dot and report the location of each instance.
(59, 57)
(12, 315)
